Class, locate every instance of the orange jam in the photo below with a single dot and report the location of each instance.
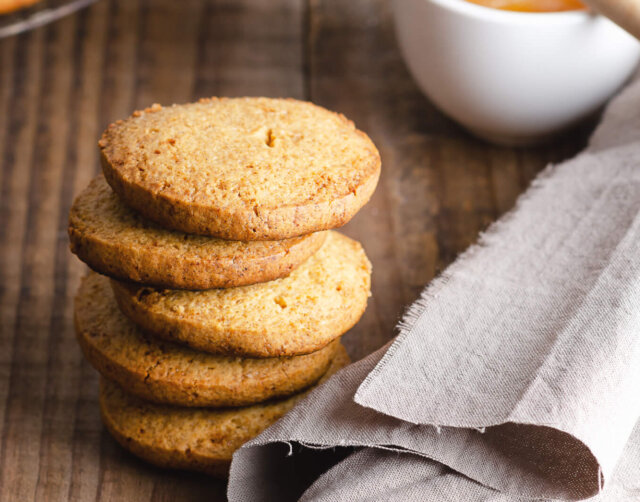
(532, 5)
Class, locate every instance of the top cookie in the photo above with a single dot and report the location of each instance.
(241, 168)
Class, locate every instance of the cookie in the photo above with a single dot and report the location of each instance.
(7, 6)
(241, 168)
(114, 240)
(200, 439)
(169, 373)
(298, 314)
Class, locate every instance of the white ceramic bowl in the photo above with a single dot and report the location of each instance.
(512, 77)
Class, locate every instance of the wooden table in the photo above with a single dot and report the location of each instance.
(62, 84)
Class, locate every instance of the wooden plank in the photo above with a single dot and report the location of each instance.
(17, 214)
(59, 455)
(251, 48)
(168, 41)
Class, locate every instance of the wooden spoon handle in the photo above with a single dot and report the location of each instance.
(625, 13)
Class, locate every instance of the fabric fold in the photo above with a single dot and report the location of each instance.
(537, 329)
(312, 440)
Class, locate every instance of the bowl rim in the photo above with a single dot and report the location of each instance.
(478, 11)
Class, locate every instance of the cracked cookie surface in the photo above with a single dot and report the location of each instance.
(241, 168)
(165, 372)
(114, 240)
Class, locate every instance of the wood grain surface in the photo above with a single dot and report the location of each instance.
(62, 84)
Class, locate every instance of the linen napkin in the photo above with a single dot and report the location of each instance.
(515, 376)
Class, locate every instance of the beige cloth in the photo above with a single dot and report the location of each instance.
(517, 373)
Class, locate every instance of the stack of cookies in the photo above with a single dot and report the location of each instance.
(218, 293)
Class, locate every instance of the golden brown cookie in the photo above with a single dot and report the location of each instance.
(200, 439)
(241, 168)
(114, 240)
(7, 6)
(164, 372)
(298, 314)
